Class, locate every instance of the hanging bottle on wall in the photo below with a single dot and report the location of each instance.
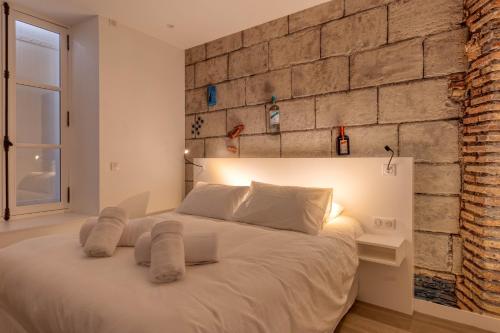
(343, 146)
(274, 117)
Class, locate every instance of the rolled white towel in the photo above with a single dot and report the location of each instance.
(199, 248)
(133, 230)
(167, 252)
(86, 228)
(142, 250)
(106, 233)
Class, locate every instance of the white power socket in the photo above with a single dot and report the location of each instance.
(387, 223)
(389, 170)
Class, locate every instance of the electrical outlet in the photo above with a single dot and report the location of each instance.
(386, 223)
(389, 170)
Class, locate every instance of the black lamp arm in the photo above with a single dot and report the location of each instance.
(387, 148)
(192, 163)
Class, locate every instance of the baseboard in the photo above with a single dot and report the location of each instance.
(457, 315)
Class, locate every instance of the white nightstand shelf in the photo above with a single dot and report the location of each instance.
(382, 249)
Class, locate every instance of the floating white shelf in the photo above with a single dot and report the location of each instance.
(382, 249)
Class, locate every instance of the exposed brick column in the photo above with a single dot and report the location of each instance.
(479, 290)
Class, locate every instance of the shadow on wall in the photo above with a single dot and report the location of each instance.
(137, 205)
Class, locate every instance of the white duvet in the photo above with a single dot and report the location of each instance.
(266, 281)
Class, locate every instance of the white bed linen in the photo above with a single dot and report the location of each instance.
(266, 281)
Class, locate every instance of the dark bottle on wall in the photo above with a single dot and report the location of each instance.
(343, 147)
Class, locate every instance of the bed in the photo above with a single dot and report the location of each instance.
(266, 281)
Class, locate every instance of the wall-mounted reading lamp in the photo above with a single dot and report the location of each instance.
(387, 148)
(186, 152)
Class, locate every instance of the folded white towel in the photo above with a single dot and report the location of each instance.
(199, 248)
(86, 228)
(167, 252)
(106, 233)
(142, 250)
(133, 230)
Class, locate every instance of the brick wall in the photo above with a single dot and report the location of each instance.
(479, 288)
(390, 71)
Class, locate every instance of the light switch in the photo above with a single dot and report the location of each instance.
(114, 166)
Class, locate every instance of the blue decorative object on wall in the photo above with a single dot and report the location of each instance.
(212, 95)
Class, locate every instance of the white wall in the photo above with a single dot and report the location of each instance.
(128, 102)
(141, 107)
(84, 133)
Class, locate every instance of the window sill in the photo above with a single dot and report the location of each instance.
(41, 221)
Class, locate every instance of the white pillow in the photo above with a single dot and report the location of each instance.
(213, 200)
(286, 207)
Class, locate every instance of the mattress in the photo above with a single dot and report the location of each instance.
(266, 281)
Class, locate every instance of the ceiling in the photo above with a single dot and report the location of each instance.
(195, 21)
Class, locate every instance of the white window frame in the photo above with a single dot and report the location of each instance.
(63, 89)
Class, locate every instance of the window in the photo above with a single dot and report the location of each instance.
(38, 176)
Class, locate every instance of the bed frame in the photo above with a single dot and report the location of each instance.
(359, 185)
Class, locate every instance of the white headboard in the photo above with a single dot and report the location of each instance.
(358, 184)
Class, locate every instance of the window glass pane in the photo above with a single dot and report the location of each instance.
(38, 176)
(37, 54)
(37, 116)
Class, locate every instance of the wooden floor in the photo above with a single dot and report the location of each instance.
(366, 318)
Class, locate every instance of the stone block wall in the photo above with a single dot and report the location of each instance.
(391, 71)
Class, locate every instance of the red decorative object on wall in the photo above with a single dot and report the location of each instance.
(233, 134)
